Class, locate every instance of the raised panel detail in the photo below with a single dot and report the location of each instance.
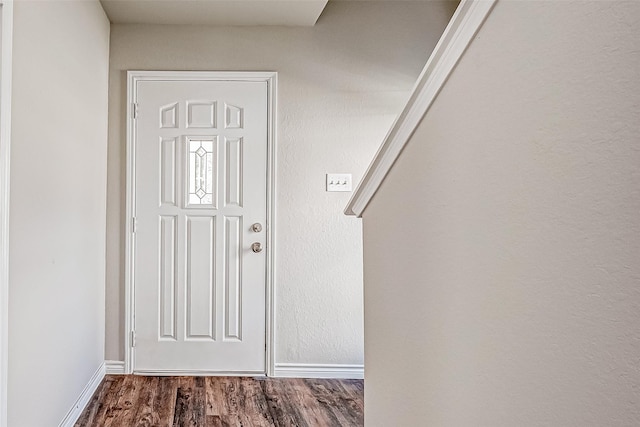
(201, 114)
(169, 116)
(233, 117)
(201, 173)
(200, 271)
(168, 249)
(233, 170)
(167, 171)
(233, 279)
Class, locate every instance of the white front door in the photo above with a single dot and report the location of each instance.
(200, 186)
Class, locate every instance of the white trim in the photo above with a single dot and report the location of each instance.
(129, 241)
(84, 398)
(465, 23)
(6, 41)
(313, 370)
(114, 367)
(271, 78)
(270, 299)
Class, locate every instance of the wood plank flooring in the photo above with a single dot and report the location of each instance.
(131, 400)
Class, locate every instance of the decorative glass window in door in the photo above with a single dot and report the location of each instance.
(201, 173)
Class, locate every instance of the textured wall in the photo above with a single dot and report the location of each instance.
(58, 205)
(502, 282)
(341, 85)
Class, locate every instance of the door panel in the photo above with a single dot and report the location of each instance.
(200, 183)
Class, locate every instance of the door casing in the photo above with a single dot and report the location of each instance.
(249, 76)
(6, 47)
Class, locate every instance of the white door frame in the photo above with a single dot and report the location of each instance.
(6, 43)
(132, 96)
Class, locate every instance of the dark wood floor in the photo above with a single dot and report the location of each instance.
(128, 400)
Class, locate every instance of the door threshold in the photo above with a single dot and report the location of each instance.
(197, 373)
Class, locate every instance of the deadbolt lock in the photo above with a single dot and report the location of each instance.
(257, 227)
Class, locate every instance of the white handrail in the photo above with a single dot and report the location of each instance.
(465, 23)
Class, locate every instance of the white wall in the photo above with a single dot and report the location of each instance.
(502, 282)
(58, 205)
(341, 84)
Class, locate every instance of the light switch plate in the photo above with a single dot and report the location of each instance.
(339, 182)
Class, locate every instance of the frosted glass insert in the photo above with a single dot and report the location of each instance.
(201, 177)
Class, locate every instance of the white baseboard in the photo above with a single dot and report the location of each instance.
(282, 370)
(114, 367)
(313, 370)
(82, 401)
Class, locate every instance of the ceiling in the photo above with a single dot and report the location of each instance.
(215, 12)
